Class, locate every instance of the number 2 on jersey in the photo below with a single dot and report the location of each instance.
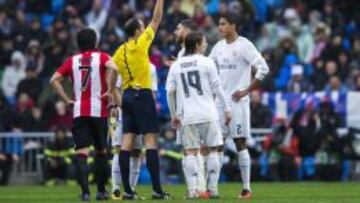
(191, 79)
(85, 79)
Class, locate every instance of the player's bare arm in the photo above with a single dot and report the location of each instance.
(116, 103)
(55, 83)
(112, 91)
(158, 15)
(111, 79)
(242, 93)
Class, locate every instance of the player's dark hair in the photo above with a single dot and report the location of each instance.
(86, 39)
(189, 24)
(232, 19)
(191, 40)
(131, 26)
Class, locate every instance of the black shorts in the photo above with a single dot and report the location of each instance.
(139, 112)
(90, 131)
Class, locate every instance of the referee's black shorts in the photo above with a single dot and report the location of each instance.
(90, 131)
(139, 112)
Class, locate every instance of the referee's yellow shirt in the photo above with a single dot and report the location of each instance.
(132, 60)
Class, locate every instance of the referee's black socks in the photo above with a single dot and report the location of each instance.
(101, 171)
(124, 161)
(83, 173)
(153, 165)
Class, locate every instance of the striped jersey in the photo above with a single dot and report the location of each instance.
(87, 72)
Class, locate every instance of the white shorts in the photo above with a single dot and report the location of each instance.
(194, 136)
(240, 123)
(117, 135)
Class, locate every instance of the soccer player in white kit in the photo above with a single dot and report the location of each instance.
(195, 81)
(116, 131)
(183, 28)
(235, 56)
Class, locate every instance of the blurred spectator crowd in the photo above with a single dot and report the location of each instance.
(309, 46)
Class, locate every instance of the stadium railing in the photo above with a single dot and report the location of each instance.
(30, 146)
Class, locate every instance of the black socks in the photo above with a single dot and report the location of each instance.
(153, 165)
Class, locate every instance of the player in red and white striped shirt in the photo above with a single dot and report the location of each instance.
(87, 71)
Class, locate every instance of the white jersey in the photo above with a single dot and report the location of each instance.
(234, 62)
(154, 80)
(181, 52)
(194, 79)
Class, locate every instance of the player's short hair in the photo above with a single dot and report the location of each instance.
(131, 26)
(189, 24)
(86, 39)
(232, 19)
(191, 40)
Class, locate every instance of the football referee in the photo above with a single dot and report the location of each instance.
(138, 105)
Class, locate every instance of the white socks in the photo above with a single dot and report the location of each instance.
(183, 165)
(213, 171)
(135, 164)
(115, 172)
(245, 167)
(191, 171)
(201, 181)
(221, 157)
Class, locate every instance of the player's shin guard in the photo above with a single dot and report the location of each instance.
(200, 181)
(115, 173)
(245, 167)
(124, 160)
(213, 171)
(135, 164)
(101, 171)
(192, 171)
(153, 165)
(83, 173)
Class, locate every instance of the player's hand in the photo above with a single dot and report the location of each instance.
(70, 104)
(239, 94)
(115, 112)
(228, 118)
(175, 123)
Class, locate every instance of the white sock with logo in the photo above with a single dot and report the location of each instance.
(191, 171)
(245, 167)
(201, 182)
(115, 172)
(213, 172)
(135, 164)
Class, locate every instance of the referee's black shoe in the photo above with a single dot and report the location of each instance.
(161, 196)
(101, 196)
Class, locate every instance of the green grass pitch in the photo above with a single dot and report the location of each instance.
(262, 192)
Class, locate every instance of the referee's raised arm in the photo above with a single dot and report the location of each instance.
(138, 104)
(157, 15)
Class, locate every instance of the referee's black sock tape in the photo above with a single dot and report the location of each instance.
(83, 172)
(124, 161)
(101, 171)
(153, 165)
